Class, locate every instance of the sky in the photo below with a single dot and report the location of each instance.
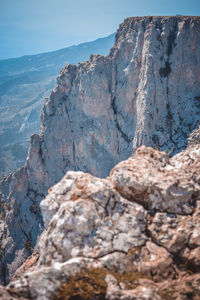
(36, 26)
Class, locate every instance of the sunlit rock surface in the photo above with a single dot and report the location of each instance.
(146, 91)
(159, 183)
(98, 244)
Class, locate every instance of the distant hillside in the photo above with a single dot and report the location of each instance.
(25, 82)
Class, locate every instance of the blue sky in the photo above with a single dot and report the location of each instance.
(35, 26)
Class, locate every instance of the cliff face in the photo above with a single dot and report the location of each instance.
(146, 91)
(164, 70)
(24, 84)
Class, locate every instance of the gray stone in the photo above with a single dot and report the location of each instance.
(91, 220)
(145, 91)
(98, 244)
(159, 183)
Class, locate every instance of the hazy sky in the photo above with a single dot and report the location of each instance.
(35, 26)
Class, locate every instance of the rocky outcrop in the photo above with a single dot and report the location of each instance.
(146, 91)
(194, 137)
(94, 220)
(100, 242)
(158, 183)
(127, 95)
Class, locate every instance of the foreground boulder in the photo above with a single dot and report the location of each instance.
(158, 183)
(107, 239)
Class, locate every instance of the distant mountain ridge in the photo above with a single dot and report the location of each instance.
(55, 58)
(24, 84)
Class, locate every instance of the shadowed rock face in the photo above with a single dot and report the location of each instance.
(99, 243)
(146, 91)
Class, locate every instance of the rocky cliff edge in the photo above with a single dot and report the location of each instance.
(134, 235)
(145, 92)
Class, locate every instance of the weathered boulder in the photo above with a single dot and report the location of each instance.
(115, 291)
(185, 288)
(98, 244)
(194, 137)
(159, 183)
(92, 220)
(180, 235)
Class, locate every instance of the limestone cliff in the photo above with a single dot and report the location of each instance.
(24, 84)
(146, 91)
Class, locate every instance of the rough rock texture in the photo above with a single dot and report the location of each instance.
(194, 137)
(98, 244)
(158, 183)
(146, 91)
(92, 220)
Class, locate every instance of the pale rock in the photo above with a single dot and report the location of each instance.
(180, 235)
(5, 295)
(146, 91)
(92, 220)
(99, 241)
(155, 260)
(43, 283)
(171, 231)
(175, 232)
(158, 183)
(142, 292)
(194, 137)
